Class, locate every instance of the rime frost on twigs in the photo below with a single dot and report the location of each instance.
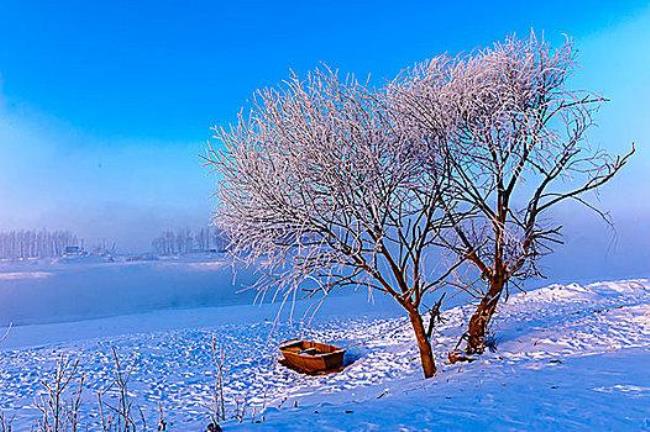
(321, 188)
(515, 139)
(326, 183)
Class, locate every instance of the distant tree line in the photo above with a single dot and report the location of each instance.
(36, 244)
(185, 241)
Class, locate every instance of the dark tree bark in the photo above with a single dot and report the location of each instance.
(481, 318)
(424, 346)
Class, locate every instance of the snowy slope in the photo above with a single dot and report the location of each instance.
(604, 392)
(569, 357)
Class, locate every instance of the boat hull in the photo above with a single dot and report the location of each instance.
(312, 357)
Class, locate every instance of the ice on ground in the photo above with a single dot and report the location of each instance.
(548, 341)
(10, 276)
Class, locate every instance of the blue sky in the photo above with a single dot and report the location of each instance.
(105, 106)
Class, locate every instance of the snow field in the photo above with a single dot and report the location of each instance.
(538, 330)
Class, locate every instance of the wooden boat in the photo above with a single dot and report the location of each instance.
(311, 357)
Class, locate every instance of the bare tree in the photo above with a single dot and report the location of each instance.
(57, 413)
(5, 333)
(120, 416)
(6, 423)
(217, 405)
(185, 241)
(33, 244)
(515, 139)
(320, 189)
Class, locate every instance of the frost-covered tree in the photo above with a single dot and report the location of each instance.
(514, 134)
(35, 244)
(185, 241)
(320, 189)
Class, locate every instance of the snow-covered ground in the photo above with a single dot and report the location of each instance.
(569, 357)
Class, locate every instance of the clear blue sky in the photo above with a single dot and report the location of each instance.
(104, 106)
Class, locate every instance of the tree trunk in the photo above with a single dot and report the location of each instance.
(482, 316)
(426, 355)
